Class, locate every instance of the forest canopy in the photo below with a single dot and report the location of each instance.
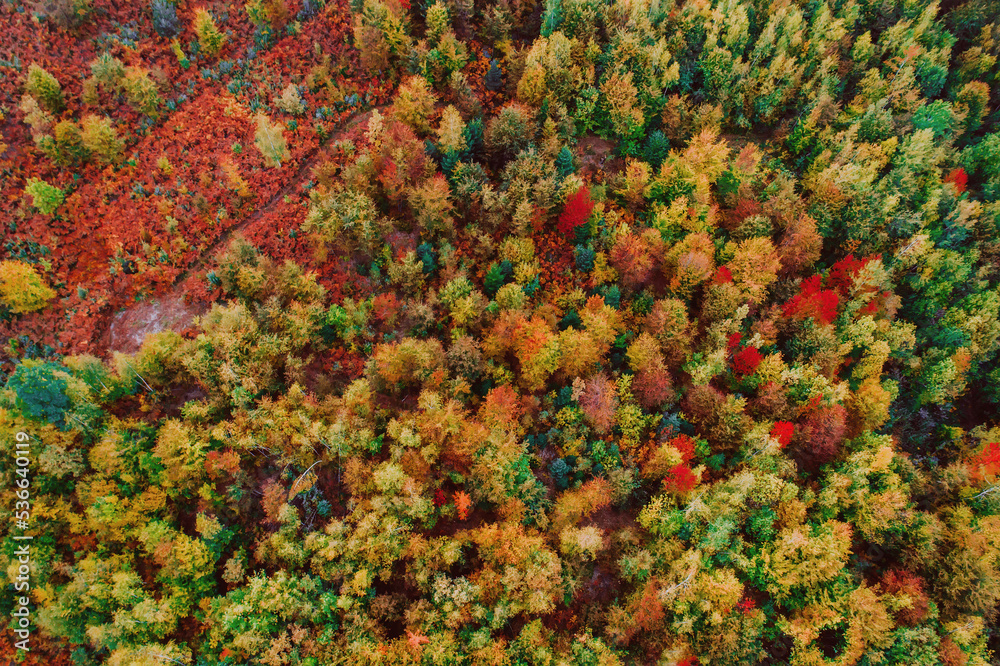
(507, 333)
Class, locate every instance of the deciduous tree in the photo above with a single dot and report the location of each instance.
(22, 288)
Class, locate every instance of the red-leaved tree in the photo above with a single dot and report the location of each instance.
(842, 273)
(577, 211)
(722, 275)
(746, 360)
(685, 445)
(680, 479)
(813, 301)
(783, 431)
(958, 178)
(986, 462)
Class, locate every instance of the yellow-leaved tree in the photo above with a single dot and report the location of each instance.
(22, 289)
(210, 39)
(270, 140)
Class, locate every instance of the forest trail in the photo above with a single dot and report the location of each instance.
(124, 331)
(258, 212)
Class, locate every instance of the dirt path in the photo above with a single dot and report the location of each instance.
(304, 168)
(124, 331)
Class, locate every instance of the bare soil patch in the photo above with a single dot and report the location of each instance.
(130, 327)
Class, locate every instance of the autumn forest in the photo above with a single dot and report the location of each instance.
(500, 332)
